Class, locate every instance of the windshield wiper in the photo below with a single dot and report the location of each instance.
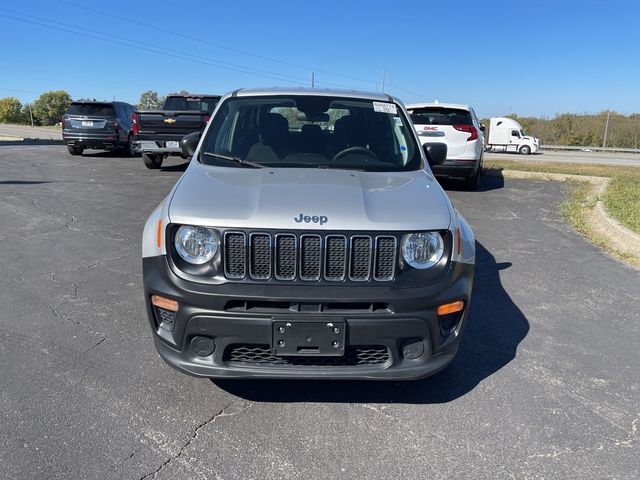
(233, 159)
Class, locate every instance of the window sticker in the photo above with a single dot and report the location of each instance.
(385, 107)
(398, 121)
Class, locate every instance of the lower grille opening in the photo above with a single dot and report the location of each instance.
(245, 354)
(448, 323)
(259, 306)
(165, 318)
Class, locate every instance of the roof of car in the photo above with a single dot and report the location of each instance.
(250, 92)
(437, 104)
(97, 102)
(189, 95)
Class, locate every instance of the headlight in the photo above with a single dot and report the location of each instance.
(196, 245)
(422, 250)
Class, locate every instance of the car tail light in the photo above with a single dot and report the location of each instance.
(207, 118)
(134, 120)
(468, 128)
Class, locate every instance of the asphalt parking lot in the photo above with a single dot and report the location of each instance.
(546, 384)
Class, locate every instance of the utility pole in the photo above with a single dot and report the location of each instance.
(313, 79)
(31, 114)
(606, 130)
(384, 74)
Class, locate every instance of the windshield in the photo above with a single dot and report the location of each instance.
(522, 133)
(205, 104)
(440, 116)
(311, 131)
(91, 109)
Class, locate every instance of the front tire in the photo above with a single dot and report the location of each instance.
(75, 150)
(525, 150)
(152, 161)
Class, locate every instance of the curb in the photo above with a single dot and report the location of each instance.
(600, 222)
(10, 138)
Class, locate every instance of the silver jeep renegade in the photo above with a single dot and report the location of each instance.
(308, 238)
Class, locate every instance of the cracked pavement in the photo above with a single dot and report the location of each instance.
(546, 384)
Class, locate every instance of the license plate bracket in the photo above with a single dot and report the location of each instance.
(309, 338)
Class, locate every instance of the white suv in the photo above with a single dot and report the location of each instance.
(458, 127)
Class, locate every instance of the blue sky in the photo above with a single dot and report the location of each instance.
(526, 57)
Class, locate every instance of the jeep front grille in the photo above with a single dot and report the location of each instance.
(309, 257)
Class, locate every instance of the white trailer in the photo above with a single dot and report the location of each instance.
(507, 135)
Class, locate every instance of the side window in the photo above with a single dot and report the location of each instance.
(515, 133)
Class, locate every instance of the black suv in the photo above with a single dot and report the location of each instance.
(99, 125)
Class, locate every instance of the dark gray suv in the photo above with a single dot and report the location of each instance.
(98, 125)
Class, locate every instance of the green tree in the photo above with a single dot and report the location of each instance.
(148, 100)
(50, 106)
(10, 110)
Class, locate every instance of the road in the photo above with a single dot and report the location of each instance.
(620, 159)
(24, 131)
(546, 384)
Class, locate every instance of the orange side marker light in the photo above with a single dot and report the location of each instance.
(159, 234)
(164, 303)
(452, 307)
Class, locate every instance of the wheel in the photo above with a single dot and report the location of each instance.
(472, 183)
(152, 160)
(525, 150)
(128, 149)
(75, 150)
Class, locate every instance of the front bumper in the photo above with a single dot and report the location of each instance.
(239, 315)
(158, 143)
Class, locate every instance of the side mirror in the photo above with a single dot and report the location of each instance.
(189, 143)
(436, 152)
(483, 127)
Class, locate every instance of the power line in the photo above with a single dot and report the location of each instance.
(417, 95)
(128, 42)
(160, 50)
(225, 47)
(163, 50)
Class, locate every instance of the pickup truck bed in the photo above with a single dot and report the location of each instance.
(157, 127)
(157, 133)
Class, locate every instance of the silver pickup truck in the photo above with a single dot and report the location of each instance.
(308, 238)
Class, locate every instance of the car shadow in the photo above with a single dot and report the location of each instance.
(494, 330)
(180, 167)
(487, 183)
(30, 142)
(108, 154)
(23, 182)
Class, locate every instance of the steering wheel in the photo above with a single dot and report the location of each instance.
(354, 150)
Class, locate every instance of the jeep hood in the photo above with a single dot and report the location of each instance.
(268, 198)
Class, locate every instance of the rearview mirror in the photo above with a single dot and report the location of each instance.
(482, 127)
(436, 152)
(189, 143)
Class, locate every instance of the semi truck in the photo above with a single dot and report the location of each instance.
(507, 135)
